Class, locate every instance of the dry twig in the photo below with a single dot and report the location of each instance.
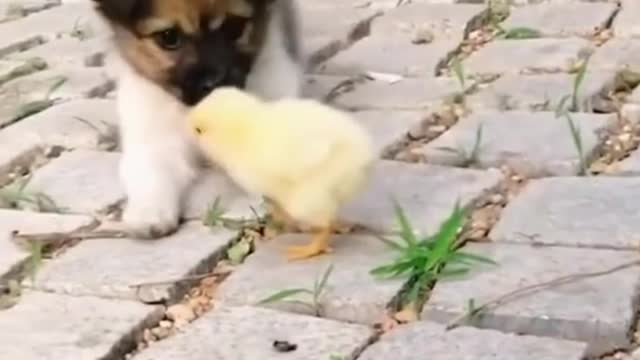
(532, 289)
(214, 273)
(55, 240)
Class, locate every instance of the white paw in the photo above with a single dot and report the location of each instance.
(151, 220)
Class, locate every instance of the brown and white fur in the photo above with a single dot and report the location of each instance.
(173, 53)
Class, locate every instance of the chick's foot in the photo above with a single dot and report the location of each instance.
(318, 245)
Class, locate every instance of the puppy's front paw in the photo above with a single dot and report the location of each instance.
(149, 222)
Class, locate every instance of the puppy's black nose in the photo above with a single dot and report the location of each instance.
(210, 81)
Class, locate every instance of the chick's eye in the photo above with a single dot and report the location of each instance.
(198, 130)
(169, 39)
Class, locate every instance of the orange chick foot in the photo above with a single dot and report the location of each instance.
(319, 245)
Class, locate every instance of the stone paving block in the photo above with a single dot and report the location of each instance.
(23, 141)
(319, 86)
(527, 56)
(348, 24)
(11, 256)
(427, 194)
(551, 19)
(413, 341)
(68, 51)
(352, 293)
(17, 9)
(573, 211)
(389, 54)
(32, 30)
(626, 24)
(83, 123)
(19, 153)
(248, 333)
(51, 326)
(629, 166)
(108, 267)
(407, 94)
(81, 181)
(60, 86)
(214, 184)
(540, 92)
(534, 144)
(11, 69)
(598, 310)
(386, 127)
(617, 54)
(444, 21)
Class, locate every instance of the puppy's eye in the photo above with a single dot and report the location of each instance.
(169, 39)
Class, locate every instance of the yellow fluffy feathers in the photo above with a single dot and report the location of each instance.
(305, 157)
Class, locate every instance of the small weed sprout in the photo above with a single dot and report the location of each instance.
(458, 70)
(33, 107)
(427, 259)
(319, 286)
(562, 110)
(519, 33)
(214, 215)
(16, 196)
(468, 158)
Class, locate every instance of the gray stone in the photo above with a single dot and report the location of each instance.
(50, 326)
(352, 294)
(18, 95)
(67, 51)
(387, 127)
(630, 166)
(446, 22)
(551, 19)
(11, 256)
(24, 33)
(81, 181)
(83, 123)
(14, 10)
(248, 333)
(20, 152)
(533, 144)
(617, 54)
(108, 267)
(319, 86)
(389, 54)
(407, 94)
(214, 184)
(413, 341)
(527, 56)
(634, 97)
(597, 310)
(427, 193)
(626, 22)
(574, 211)
(540, 92)
(11, 69)
(348, 24)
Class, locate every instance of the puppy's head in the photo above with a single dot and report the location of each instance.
(188, 47)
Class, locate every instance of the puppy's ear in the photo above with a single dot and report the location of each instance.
(123, 12)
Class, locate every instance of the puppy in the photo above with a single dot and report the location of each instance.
(172, 53)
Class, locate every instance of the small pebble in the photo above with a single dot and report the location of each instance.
(284, 346)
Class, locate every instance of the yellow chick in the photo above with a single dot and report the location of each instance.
(305, 157)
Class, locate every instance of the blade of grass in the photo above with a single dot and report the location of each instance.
(284, 294)
(406, 230)
(473, 257)
(577, 83)
(319, 286)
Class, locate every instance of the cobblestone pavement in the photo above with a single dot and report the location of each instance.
(397, 66)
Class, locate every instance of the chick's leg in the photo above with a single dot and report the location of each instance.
(318, 245)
